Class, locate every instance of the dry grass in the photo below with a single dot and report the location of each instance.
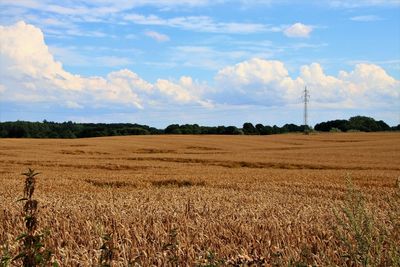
(209, 200)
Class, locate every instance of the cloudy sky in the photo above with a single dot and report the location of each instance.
(211, 62)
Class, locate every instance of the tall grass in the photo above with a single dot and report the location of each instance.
(363, 240)
(32, 251)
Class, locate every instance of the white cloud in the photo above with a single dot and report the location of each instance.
(298, 30)
(101, 7)
(333, 3)
(177, 91)
(257, 81)
(263, 82)
(206, 57)
(326, 88)
(72, 105)
(255, 70)
(371, 81)
(89, 55)
(29, 72)
(111, 61)
(184, 91)
(363, 3)
(104, 7)
(68, 18)
(366, 18)
(199, 23)
(159, 37)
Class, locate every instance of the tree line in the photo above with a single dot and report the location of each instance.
(47, 129)
(357, 123)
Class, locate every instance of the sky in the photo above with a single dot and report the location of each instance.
(210, 62)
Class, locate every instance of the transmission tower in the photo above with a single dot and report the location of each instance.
(306, 98)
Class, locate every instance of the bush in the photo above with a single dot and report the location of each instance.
(364, 241)
(335, 130)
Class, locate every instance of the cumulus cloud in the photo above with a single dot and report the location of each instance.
(257, 81)
(159, 37)
(325, 88)
(29, 72)
(255, 70)
(298, 30)
(186, 90)
(264, 82)
(371, 82)
(366, 86)
(29, 69)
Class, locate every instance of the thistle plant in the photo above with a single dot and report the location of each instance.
(107, 251)
(171, 248)
(363, 239)
(32, 252)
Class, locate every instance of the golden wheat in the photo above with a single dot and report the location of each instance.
(198, 200)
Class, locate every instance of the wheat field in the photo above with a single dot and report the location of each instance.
(282, 200)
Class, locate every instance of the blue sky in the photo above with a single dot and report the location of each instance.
(199, 61)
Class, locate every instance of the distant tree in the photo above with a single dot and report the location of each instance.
(395, 128)
(190, 129)
(383, 126)
(48, 129)
(292, 128)
(248, 128)
(356, 123)
(362, 123)
(260, 128)
(267, 130)
(19, 130)
(3, 133)
(208, 130)
(342, 125)
(221, 130)
(232, 130)
(172, 129)
(283, 129)
(276, 130)
(134, 131)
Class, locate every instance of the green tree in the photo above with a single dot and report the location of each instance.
(248, 128)
(173, 129)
